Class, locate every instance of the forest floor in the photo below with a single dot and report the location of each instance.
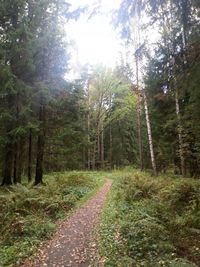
(150, 221)
(72, 244)
(128, 219)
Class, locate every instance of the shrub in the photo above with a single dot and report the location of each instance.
(132, 188)
(182, 195)
(151, 222)
(28, 213)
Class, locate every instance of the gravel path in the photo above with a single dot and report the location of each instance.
(69, 245)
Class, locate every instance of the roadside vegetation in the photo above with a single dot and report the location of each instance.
(151, 221)
(29, 213)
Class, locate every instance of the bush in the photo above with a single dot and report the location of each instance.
(28, 214)
(151, 221)
(136, 187)
(78, 191)
(182, 195)
(140, 228)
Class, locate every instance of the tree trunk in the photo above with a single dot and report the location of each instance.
(139, 116)
(8, 150)
(88, 137)
(94, 155)
(102, 147)
(20, 160)
(88, 129)
(15, 163)
(40, 147)
(180, 136)
(7, 171)
(98, 143)
(30, 156)
(111, 145)
(16, 145)
(110, 133)
(153, 162)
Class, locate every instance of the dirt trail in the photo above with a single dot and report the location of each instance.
(69, 245)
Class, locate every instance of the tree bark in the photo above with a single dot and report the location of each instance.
(17, 152)
(94, 155)
(110, 133)
(180, 137)
(139, 116)
(88, 129)
(20, 159)
(102, 147)
(111, 145)
(30, 156)
(98, 143)
(40, 147)
(7, 171)
(88, 137)
(153, 162)
(8, 150)
(15, 163)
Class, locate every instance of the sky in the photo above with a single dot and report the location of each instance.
(96, 42)
(95, 39)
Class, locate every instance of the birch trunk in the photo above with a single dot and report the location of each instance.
(153, 162)
(139, 116)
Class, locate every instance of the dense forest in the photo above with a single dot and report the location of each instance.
(144, 113)
(73, 131)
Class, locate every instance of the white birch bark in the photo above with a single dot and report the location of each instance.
(139, 115)
(153, 162)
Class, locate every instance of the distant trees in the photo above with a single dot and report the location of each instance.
(109, 102)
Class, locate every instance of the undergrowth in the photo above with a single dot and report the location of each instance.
(29, 214)
(151, 221)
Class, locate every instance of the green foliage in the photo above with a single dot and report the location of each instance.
(28, 214)
(182, 196)
(151, 222)
(172, 73)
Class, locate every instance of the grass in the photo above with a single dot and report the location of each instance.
(150, 221)
(146, 222)
(29, 214)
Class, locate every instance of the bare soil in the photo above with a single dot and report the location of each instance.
(71, 244)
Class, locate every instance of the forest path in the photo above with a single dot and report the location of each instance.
(70, 244)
